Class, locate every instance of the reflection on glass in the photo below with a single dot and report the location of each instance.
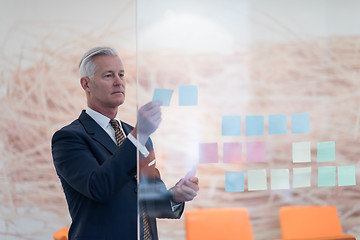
(256, 86)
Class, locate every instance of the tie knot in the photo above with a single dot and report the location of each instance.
(115, 124)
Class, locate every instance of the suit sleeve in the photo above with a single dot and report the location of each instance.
(97, 179)
(158, 200)
(153, 190)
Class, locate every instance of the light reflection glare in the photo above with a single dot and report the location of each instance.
(187, 33)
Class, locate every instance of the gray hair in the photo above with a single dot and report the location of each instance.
(87, 66)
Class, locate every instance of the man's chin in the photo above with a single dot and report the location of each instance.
(119, 102)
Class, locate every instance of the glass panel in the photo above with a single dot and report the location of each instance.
(261, 97)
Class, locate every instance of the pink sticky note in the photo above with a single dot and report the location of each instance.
(232, 152)
(255, 151)
(208, 153)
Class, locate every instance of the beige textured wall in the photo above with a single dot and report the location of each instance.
(41, 43)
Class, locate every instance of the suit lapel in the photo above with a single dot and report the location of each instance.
(126, 127)
(96, 132)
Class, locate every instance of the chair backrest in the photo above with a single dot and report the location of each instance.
(61, 234)
(219, 223)
(309, 221)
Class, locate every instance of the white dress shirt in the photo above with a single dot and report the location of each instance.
(104, 123)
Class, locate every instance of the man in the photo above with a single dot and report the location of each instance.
(95, 159)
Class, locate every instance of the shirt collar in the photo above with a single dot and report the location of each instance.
(100, 119)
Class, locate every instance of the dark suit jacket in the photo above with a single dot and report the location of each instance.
(99, 184)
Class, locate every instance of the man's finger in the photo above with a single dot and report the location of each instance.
(151, 105)
(194, 180)
(189, 189)
(192, 183)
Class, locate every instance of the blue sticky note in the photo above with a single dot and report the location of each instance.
(254, 125)
(231, 126)
(326, 151)
(277, 124)
(188, 95)
(234, 181)
(346, 176)
(300, 123)
(326, 176)
(163, 95)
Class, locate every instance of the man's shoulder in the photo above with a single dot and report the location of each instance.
(75, 126)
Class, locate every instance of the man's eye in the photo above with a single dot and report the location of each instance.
(108, 75)
(121, 75)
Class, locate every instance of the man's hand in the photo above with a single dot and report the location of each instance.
(149, 118)
(186, 191)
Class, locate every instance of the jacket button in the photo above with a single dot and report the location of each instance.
(135, 189)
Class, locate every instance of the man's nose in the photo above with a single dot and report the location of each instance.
(119, 80)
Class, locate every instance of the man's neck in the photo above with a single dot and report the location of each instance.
(108, 112)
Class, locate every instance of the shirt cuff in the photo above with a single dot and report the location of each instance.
(142, 149)
(175, 206)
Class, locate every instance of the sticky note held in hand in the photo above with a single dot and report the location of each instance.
(163, 96)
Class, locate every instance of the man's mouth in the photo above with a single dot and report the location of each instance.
(118, 92)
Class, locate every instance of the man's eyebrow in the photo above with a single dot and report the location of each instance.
(112, 71)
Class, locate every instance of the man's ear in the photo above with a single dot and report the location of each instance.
(84, 81)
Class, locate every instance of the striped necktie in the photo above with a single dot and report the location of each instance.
(146, 223)
(119, 139)
(118, 132)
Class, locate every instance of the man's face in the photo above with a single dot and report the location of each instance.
(107, 87)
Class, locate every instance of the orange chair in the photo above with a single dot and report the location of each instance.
(215, 224)
(61, 234)
(310, 223)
